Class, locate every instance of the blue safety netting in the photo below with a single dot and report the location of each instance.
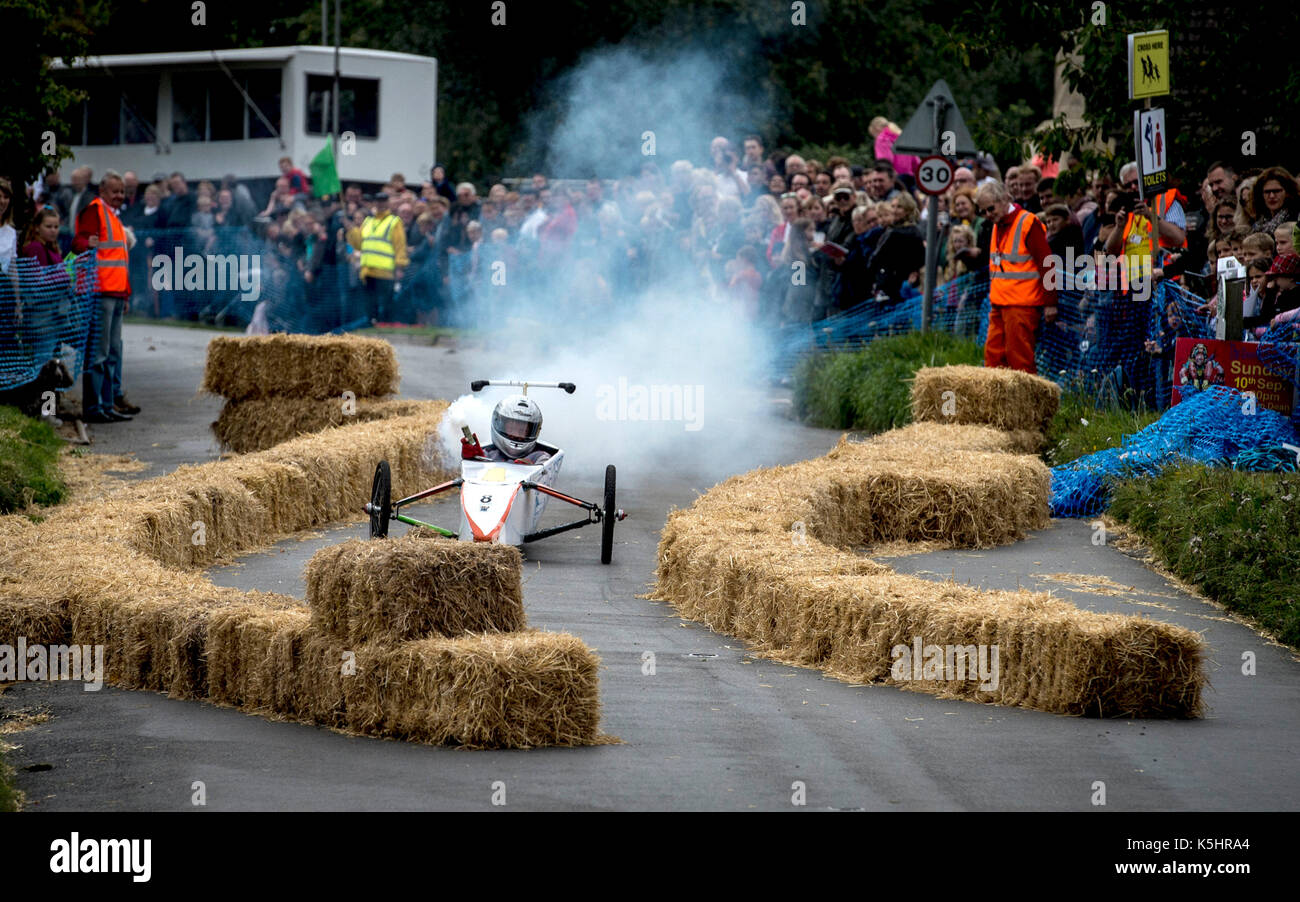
(1279, 351)
(1212, 426)
(45, 314)
(272, 277)
(1097, 345)
(961, 306)
(294, 289)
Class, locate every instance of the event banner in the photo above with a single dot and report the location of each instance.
(1202, 362)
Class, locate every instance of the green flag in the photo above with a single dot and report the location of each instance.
(324, 174)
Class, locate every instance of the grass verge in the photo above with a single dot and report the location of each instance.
(870, 388)
(8, 793)
(29, 463)
(1082, 427)
(1233, 534)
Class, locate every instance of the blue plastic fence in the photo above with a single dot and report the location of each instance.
(45, 313)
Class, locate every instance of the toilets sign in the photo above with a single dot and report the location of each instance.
(1152, 139)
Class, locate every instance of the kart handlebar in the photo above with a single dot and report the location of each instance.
(480, 384)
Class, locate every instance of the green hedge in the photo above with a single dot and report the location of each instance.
(29, 462)
(1234, 534)
(871, 388)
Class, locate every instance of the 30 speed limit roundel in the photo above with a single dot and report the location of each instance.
(934, 175)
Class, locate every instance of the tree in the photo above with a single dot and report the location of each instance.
(33, 115)
(1228, 88)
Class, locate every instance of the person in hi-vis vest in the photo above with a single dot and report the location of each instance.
(1019, 262)
(99, 228)
(1132, 233)
(381, 240)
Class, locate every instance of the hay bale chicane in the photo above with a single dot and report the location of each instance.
(773, 556)
(133, 584)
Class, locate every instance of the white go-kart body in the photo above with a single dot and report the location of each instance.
(495, 507)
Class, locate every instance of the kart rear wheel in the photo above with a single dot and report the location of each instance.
(381, 501)
(607, 518)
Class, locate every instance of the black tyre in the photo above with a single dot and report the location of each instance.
(607, 519)
(381, 501)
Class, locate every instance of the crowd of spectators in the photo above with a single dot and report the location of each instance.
(782, 239)
(785, 239)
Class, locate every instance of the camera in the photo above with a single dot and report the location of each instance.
(1125, 201)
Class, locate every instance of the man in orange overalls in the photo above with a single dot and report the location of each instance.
(1019, 262)
(99, 228)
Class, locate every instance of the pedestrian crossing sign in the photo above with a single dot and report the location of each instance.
(1148, 64)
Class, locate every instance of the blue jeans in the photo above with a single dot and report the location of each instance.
(103, 351)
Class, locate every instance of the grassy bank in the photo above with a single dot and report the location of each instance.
(1233, 534)
(8, 793)
(1081, 427)
(29, 463)
(871, 388)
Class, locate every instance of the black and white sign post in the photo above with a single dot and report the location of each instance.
(937, 130)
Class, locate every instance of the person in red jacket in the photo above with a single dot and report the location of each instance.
(99, 228)
(298, 181)
(1020, 260)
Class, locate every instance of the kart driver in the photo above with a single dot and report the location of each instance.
(516, 424)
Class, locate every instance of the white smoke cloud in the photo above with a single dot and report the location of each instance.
(614, 96)
(671, 379)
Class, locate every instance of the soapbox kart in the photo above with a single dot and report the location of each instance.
(500, 500)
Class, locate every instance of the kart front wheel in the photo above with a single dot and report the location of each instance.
(608, 517)
(380, 507)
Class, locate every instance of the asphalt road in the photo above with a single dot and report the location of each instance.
(713, 728)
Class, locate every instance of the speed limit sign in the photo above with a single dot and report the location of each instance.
(934, 175)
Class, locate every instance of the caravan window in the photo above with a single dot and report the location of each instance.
(207, 106)
(118, 109)
(358, 105)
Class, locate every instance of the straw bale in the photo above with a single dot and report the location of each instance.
(254, 658)
(962, 438)
(864, 493)
(261, 423)
(1002, 398)
(408, 588)
(300, 366)
(41, 621)
(323, 665)
(159, 642)
(254, 500)
(494, 690)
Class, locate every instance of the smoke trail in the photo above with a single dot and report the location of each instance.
(614, 96)
(670, 378)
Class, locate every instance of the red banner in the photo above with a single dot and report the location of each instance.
(1202, 362)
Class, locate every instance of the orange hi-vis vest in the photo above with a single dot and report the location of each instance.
(111, 254)
(1014, 279)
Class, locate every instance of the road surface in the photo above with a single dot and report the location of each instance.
(713, 728)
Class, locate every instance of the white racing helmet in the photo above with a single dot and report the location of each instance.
(516, 424)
